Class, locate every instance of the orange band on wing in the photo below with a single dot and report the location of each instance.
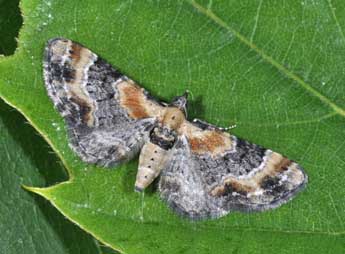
(208, 143)
(212, 142)
(75, 52)
(132, 99)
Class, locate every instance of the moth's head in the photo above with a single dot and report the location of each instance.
(181, 102)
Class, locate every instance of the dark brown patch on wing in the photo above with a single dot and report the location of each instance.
(68, 73)
(239, 187)
(232, 186)
(75, 52)
(132, 100)
(282, 165)
(269, 182)
(85, 108)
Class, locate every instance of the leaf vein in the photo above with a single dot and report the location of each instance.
(256, 21)
(211, 15)
(336, 19)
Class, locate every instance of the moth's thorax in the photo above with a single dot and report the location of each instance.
(173, 118)
(151, 162)
(163, 137)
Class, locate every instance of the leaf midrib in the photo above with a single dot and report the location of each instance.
(266, 57)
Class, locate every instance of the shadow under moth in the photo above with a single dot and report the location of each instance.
(204, 171)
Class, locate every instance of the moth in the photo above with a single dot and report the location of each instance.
(204, 171)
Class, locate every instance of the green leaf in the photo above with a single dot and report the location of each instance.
(25, 219)
(274, 69)
(20, 143)
(29, 224)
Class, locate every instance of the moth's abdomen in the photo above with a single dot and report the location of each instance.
(154, 156)
(151, 162)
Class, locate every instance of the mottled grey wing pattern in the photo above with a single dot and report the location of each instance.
(105, 127)
(182, 185)
(204, 180)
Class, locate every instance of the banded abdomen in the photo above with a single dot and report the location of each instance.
(153, 156)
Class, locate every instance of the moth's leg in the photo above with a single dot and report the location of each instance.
(204, 125)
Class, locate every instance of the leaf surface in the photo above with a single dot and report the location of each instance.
(29, 224)
(273, 69)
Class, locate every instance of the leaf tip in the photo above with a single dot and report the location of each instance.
(40, 191)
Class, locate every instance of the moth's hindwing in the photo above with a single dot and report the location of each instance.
(212, 173)
(108, 116)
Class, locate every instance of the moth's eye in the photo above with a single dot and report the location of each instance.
(145, 177)
(173, 118)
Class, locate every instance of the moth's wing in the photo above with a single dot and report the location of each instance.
(211, 173)
(108, 116)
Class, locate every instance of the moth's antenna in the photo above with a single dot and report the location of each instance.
(229, 127)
